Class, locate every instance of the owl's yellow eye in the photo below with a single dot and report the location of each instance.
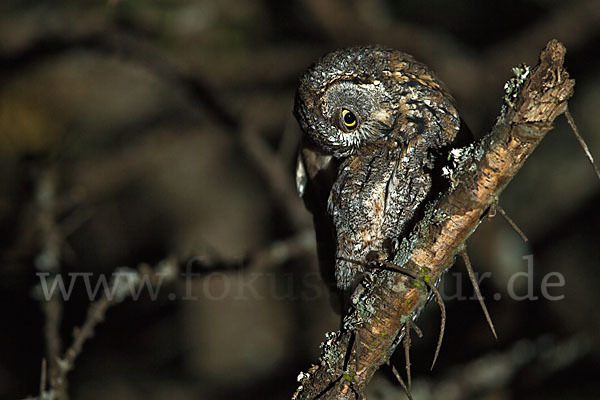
(349, 119)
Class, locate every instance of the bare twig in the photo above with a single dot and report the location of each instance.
(406, 343)
(582, 143)
(43, 376)
(438, 298)
(281, 251)
(532, 102)
(114, 41)
(512, 223)
(416, 328)
(467, 261)
(96, 314)
(401, 381)
(276, 253)
(440, 302)
(542, 357)
(572, 23)
(53, 315)
(48, 260)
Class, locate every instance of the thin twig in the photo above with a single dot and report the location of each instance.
(440, 302)
(406, 343)
(473, 279)
(511, 223)
(53, 315)
(43, 377)
(95, 315)
(582, 143)
(416, 328)
(542, 357)
(97, 312)
(278, 252)
(401, 381)
(117, 42)
(49, 259)
(274, 254)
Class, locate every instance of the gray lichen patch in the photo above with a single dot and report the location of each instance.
(404, 251)
(365, 308)
(332, 352)
(513, 86)
(435, 215)
(363, 301)
(398, 286)
(432, 216)
(406, 318)
(462, 159)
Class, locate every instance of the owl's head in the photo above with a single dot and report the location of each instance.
(356, 96)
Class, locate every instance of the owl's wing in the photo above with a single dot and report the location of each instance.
(315, 174)
(401, 185)
(301, 175)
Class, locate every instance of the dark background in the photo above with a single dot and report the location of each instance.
(164, 128)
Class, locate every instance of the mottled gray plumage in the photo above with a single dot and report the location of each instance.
(367, 182)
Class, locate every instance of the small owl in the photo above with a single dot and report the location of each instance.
(377, 126)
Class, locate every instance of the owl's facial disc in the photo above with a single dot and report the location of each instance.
(345, 101)
(352, 115)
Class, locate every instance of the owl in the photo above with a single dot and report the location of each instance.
(377, 128)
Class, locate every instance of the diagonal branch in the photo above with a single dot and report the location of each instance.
(533, 99)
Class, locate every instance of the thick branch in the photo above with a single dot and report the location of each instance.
(350, 357)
